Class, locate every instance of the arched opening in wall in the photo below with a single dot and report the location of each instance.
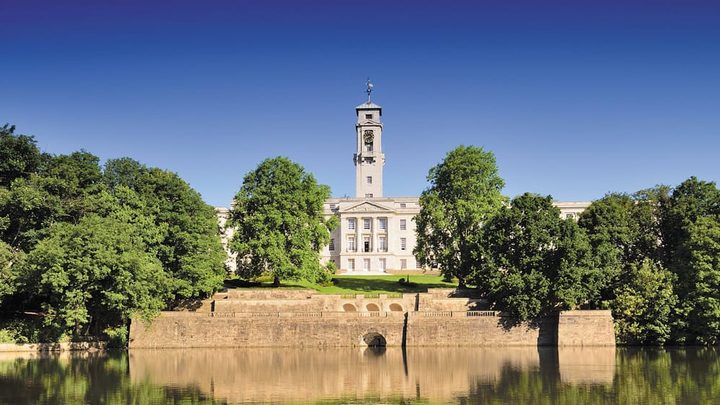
(374, 339)
(349, 308)
(396, 308)
(373, 307)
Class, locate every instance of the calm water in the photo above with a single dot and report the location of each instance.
(417, 375)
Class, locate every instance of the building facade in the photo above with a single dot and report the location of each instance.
(376, 233)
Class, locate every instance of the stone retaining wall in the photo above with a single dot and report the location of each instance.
(339, 329)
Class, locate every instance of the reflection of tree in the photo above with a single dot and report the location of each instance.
(84, 379)
(643, 376)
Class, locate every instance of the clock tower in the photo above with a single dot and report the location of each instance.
(368, 158)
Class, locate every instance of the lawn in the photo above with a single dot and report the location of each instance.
(370, 285)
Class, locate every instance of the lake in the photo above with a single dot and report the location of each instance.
(502, 375)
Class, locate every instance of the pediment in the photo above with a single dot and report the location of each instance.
(366, 206)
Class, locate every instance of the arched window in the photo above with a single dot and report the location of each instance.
(396, 307)
(349, 308)
(373, 308)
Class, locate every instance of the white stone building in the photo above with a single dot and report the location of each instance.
(376, 233)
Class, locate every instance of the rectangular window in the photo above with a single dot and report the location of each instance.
(367, 223)
(382, 244)
(368, 116)
(403, 244)
(403, 264)
(368, 147)
(332, 244)
(368, 179)
(368, 195)
(351, 244)
(383, 265)
(366, 244)
(403, 205)
(332, 206)
(366, 264)
(351, 223)
(382, 223)
(403, 224)
(351, 264)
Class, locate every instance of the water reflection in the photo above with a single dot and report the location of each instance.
(389, 375)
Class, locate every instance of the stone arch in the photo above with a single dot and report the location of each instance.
(372, 307)
(349, 308)
(395, 307)
(374, 339)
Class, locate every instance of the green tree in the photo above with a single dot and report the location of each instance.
(626, 237)
(8, 273)
(57, 193)
(623, 231)
(643, 304)
(531, 261)
(703, 273)
(464, 193)
(19, 156)
(279, 222)
(94, 275)
(190, 250)
(684, 240)
(27, 209)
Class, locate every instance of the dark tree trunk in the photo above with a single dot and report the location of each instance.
(276, 281)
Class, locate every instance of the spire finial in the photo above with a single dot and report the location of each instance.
(369, 89)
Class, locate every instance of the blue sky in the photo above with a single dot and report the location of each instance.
(575, 98)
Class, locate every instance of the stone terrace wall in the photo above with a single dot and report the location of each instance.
(477, 328)
(183, 329)
(338, 329)
(586, 328)
(298, 318)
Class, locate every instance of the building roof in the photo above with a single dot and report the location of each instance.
(368, 106)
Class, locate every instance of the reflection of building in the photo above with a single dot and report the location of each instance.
(376, 233)
(434, 375)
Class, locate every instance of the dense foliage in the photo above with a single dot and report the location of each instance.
(464, 192)
(652, 257)
(279, 223)
(83, 248)
(530, 261)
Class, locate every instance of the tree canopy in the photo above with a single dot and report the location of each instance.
(95, 274)
(664, 238)
(86, 247)
(279, 223)
(464, 193)
(530, 261)
(19, 155)
(190, 249)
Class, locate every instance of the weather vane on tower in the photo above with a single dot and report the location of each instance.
(369, 89)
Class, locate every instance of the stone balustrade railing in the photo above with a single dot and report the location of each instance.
(338, 314)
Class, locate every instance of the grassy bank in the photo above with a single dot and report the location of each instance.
(369, 285)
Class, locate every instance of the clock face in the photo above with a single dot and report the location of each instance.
(368, 136)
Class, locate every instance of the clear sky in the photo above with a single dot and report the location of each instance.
(575, 98)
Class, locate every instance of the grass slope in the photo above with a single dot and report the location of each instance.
(369, 285)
